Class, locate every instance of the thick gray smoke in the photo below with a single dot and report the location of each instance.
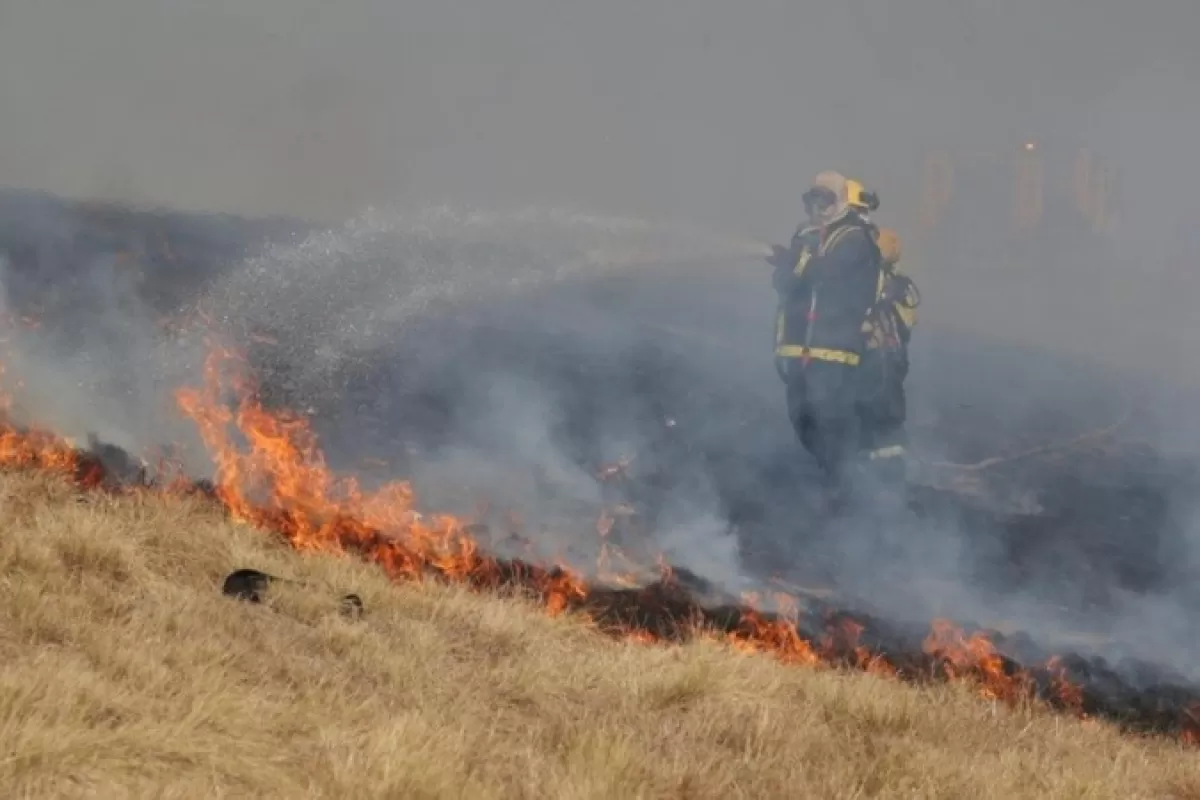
(104, 367)
(712, 112)
(357, 302)
(359, 317)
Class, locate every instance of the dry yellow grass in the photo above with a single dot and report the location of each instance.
(127, 674)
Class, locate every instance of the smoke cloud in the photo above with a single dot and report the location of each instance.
(494, 295)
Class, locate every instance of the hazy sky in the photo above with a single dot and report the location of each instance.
(710, 110)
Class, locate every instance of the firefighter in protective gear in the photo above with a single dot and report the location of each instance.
(864, 202)
(827, 283)
(881, 405)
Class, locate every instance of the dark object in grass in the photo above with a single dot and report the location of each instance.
(251, 586)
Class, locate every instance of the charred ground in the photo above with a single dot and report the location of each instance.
(633, 359)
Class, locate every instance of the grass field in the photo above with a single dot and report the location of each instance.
(127, 674)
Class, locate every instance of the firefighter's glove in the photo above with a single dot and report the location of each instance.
(780, 257)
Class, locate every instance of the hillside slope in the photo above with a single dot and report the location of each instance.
(128, 674)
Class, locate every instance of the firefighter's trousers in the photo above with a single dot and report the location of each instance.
(881, 411)
(821, 403)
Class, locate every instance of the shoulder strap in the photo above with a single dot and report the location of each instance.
(843, 227)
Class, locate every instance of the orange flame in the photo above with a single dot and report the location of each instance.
(37, 449)
(280, 482)
(976, 657)
(270, 472)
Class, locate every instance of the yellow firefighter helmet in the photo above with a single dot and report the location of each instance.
(858, 196)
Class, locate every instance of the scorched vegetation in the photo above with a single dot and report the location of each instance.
(127, 673)
(462, 674)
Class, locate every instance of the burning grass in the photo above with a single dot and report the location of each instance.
(271, 475)
(276, 479)
(127, 673)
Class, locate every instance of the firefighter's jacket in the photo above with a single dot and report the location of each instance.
(827, 284)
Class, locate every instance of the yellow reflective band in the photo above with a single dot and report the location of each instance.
(819, 353)
(835, 237)
(895, 451)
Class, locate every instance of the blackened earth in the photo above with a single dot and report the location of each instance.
(675, 358)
